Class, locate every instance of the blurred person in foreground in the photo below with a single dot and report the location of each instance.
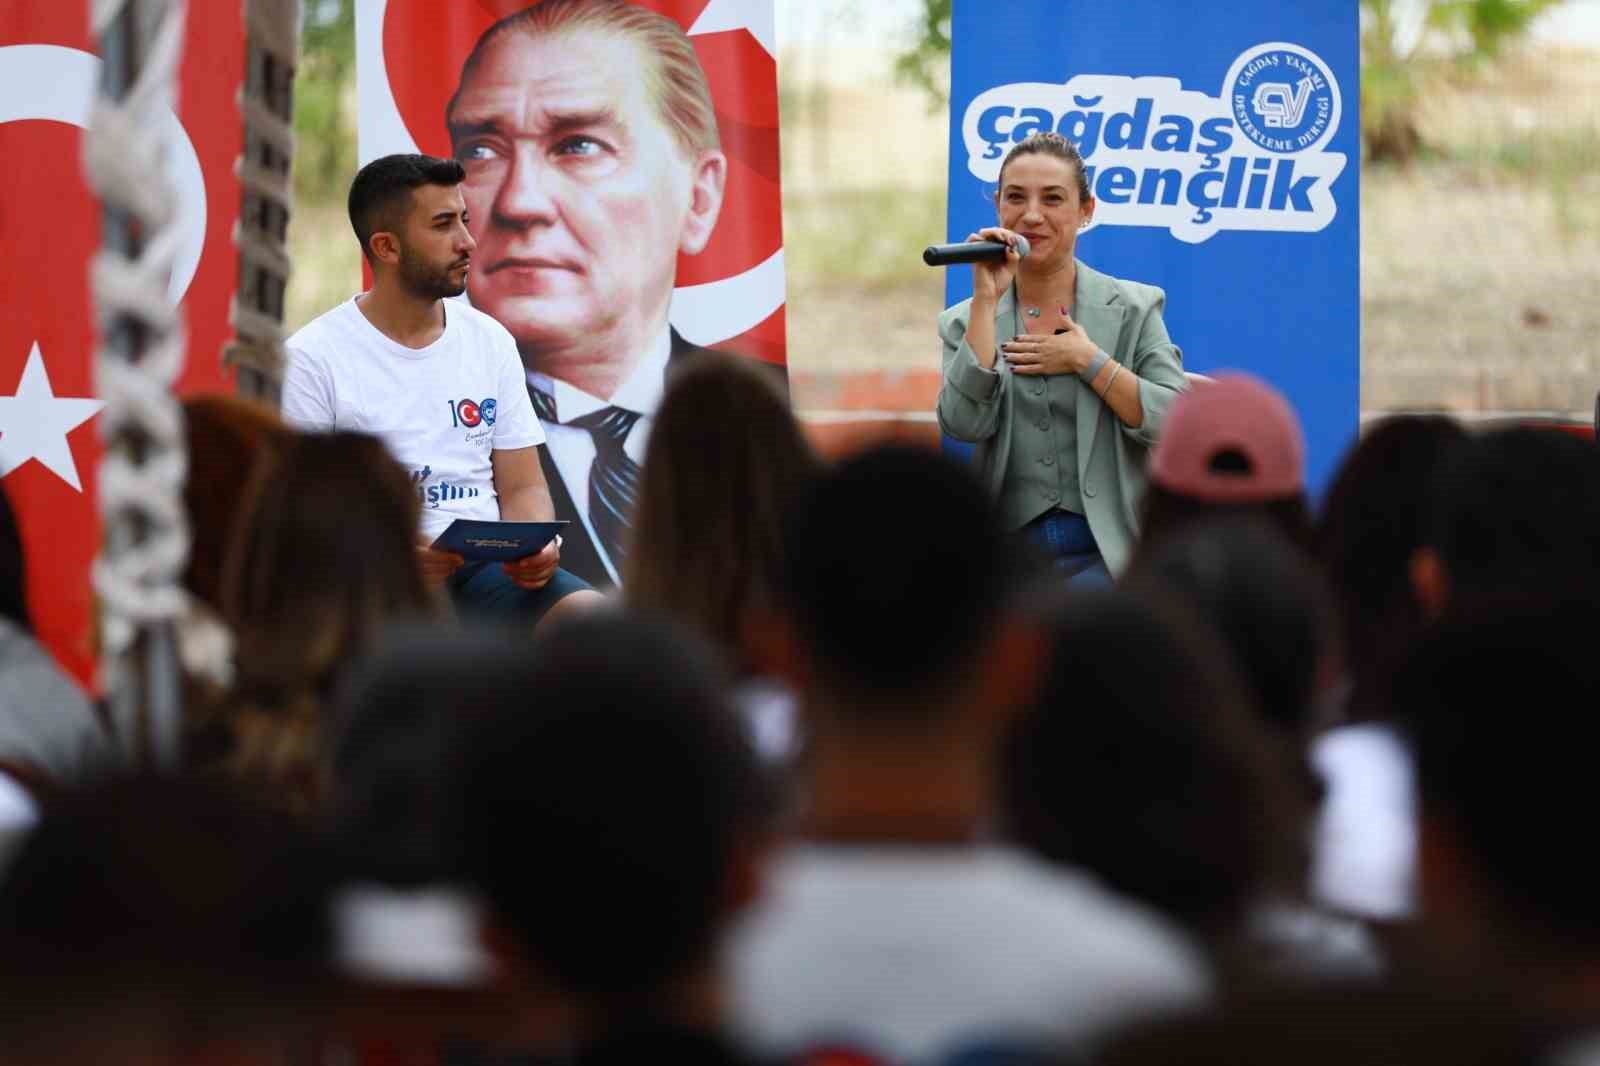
(708, 544)
(1234, 599)
(323, 558)
(1232, 447)
(422, 976)
(593, 162)
(1268, 604)
(1501, 698)
(166, 921)
(1374, 520)
(49, 733)
(894, 928)
(609, 810)
(438, 382)
(1050, 356)
(1512, 509)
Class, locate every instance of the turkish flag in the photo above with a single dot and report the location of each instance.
(420, 46)
(49, 229)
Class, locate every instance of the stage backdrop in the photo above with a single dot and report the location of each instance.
(728, 294)
(1223, 148)
(49, 228)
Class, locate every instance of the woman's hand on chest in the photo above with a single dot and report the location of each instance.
(1050, 353)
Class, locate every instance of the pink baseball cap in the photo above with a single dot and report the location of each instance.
(1236, 413)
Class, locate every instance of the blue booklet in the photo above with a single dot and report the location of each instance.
(475, 539)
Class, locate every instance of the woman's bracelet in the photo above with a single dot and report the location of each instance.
(1096, 364)
(1107, 390)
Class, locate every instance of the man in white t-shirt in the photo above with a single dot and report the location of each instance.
(439, 382)
(897, 930)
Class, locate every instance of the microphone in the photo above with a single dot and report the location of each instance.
(969, 252)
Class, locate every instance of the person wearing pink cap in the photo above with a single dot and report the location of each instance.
(1061, 375)
(1231, 446)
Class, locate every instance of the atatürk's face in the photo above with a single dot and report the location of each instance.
(580, 197)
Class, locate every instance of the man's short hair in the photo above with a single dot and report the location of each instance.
(600, 808)
(380, 196)
(1502, 698)
(1514, 506)
(898, 564)
(677, 81)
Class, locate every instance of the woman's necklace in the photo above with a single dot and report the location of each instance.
(1034, 310)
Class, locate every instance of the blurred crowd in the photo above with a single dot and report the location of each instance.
(845, 774)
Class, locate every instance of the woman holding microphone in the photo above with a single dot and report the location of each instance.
(1061, 375)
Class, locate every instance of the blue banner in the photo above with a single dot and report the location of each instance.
(1222, 143)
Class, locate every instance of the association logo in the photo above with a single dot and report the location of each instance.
(1283, 98)
(1253, 157)
(470, 414)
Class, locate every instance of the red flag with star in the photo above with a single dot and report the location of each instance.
(49, 229)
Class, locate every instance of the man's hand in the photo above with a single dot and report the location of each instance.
(535, 571)
(436, 565)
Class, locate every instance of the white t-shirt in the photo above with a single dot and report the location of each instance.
(1366, 833)
(914, 954)
(440, 410)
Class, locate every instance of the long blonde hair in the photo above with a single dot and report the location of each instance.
(322, 558)
(726, 462)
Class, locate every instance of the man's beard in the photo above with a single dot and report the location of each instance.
(427, 282)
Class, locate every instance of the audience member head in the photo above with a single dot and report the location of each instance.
(1262, 597)
(1143, 763)
(391, 739)
(900, 592)
(225, 438)
(1501, 695)
(323, 559)
(1373, 521)
(160, 917)
(1511, 509)
(707, 542)
(1229, 446)
(608, 807)
(13, 570)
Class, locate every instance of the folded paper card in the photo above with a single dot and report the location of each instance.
(473, 539)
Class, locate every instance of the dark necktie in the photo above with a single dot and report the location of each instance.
(614, 477)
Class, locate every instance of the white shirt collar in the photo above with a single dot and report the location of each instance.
(641, 392)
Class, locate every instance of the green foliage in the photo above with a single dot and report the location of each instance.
(324, 102)
(926, 63)
(1489, 24)
(1390, 71)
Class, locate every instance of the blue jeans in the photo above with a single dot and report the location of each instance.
(1068, 544)
(484, 590)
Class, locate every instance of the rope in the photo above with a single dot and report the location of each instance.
(264, 171)
(139, 354)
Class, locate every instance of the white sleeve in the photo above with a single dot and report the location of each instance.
(307, 393)
(515, 424)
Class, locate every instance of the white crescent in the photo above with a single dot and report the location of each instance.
(55, 84)
(705, 314)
